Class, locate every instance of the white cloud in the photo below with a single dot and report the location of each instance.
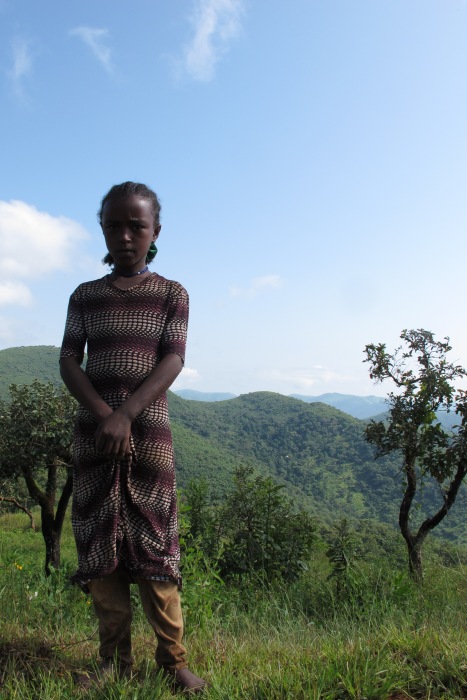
(216, 23)
(257, 285)
(95, 39)
(22, 64)
(33, 244)
(303, 380)
(14, 293)
(187, 377)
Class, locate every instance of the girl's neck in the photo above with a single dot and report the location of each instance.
(121, 273)
(126, 282)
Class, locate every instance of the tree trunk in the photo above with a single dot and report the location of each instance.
(63, 503)
(52, 543)
(415, 560)
(52, 551)
(52, 526)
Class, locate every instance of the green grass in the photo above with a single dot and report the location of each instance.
(386, 640)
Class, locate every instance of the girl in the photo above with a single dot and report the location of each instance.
(124, 516)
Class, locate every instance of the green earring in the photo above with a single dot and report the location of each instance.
(152, 252)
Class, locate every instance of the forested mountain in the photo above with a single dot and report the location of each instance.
(24, 364)
(317, 452)
(356, 406)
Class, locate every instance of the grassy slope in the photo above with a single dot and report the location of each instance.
(393, 642)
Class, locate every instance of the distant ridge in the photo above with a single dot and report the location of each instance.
(357, 406)
(193, 395)
(21, 365)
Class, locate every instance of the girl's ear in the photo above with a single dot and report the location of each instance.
(156, 233)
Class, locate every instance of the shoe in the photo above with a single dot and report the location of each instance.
(106, 670)
(186, 681)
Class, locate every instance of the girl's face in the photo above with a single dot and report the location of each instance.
(129, 228)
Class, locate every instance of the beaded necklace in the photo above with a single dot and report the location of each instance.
(131, 274)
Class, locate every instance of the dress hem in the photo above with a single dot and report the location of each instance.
(82, 581)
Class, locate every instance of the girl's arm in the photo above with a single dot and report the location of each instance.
(155, 384)
(79, 385)
(113, 433)
(114, 427)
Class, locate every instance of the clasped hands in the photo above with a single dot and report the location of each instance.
(113, 435)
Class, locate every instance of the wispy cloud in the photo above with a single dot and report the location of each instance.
(187, 377)
(33, 244)
(14, 293)
(257, 285)
(96, 40)
(21, 64)
(215, 23)
(303, 380)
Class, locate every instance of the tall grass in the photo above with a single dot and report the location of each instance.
(384, 639)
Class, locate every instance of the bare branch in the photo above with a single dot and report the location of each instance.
(7, 499)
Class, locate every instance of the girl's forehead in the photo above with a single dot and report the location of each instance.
(130, 205)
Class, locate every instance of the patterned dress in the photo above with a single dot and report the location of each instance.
(124, 511)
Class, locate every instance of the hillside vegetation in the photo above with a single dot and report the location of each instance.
(317, 452)
(24, 364)
(384, 640)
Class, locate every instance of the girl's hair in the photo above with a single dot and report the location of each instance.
(125, 190)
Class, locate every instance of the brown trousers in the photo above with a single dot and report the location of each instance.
(161, 604)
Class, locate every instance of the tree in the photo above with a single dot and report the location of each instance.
(342, 553)
(262, 533)
(256, 532)
(424, 379)
(203, 526)
(35, 437)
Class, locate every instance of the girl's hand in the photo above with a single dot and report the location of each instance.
(113, 435)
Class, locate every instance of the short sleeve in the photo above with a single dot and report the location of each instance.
(175, 330)
(74, 338)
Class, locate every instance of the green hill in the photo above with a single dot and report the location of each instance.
(316, 451)
(24, 364)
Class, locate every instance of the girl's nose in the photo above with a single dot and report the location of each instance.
(125, 233)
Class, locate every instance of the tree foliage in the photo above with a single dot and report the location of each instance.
(255, 532)
(35, 436)
(343, 551)
(424, 382)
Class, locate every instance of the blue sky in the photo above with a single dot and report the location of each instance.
(310, 158)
